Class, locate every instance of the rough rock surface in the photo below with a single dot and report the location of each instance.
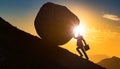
(54, 23)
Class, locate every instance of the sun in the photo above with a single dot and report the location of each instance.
(80, 29)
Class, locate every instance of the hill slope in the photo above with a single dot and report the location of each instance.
(20, 50)
(110, 63)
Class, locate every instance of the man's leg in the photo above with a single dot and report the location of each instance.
(79, 51)
(84, 53)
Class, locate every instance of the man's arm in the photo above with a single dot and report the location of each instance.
(84, 41)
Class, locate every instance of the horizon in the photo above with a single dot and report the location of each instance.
(101, 20)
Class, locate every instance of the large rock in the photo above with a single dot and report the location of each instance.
(54, 23)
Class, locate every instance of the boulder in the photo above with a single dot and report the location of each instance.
(54, 23)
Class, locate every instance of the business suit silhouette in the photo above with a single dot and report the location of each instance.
(80, 45)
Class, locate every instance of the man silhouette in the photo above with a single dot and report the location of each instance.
(80, 45)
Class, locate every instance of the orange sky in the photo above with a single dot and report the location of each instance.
(98, 34)
(101, 29)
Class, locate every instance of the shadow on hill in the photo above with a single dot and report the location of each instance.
(21, 50)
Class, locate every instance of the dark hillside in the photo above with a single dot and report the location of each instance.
(21, 50)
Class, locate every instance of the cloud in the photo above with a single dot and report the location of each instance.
(111, 17)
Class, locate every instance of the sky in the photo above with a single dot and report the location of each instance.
(100, 19)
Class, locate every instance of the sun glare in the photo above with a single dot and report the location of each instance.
(79, 30)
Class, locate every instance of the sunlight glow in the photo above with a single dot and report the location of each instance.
(80, 29)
